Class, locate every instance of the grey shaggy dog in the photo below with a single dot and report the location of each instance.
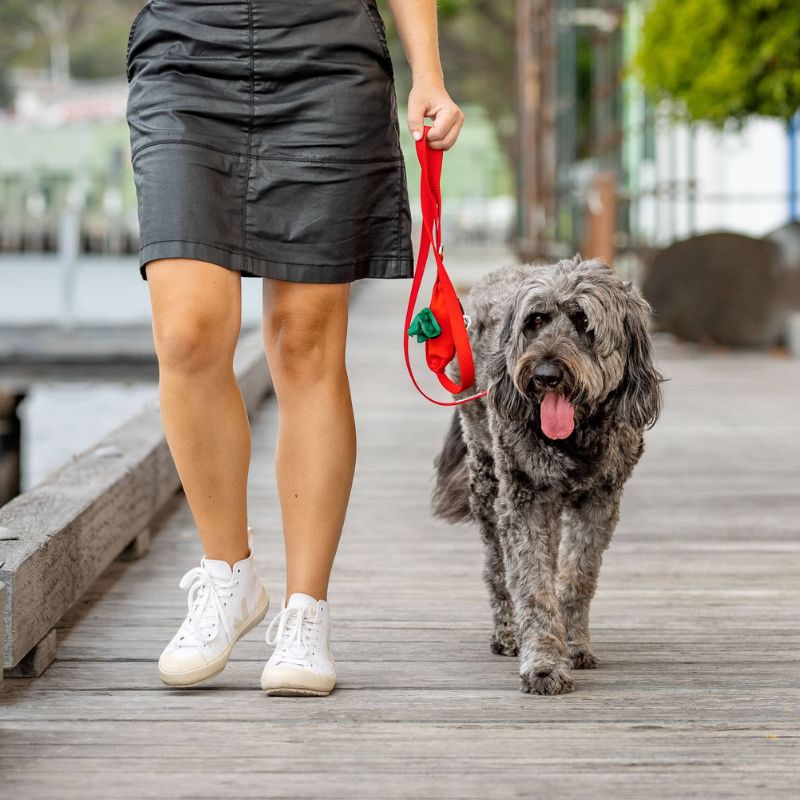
(540, 462)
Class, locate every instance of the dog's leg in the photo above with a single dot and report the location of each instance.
(589, 526)
(529, 526)
(482, 494)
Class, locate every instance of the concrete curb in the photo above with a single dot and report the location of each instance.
(57, 538)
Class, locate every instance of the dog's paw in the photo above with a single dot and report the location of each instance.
(504, 642)
(582, 659)
(555, 680)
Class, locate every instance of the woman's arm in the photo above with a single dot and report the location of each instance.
(416, 25)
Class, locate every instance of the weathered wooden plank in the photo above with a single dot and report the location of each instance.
(139, 547)
(37, 659)
(620, 679)
(242, 704)
(74, 524)
(380, 746)
(632, 781)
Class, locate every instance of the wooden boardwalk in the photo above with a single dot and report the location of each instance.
(695, 623)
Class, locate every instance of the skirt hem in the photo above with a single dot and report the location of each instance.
(254, 267)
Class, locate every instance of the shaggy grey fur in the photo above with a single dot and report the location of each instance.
(547, 508)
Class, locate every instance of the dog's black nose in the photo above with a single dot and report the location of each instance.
(547, 375)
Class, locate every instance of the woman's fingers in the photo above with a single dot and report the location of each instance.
(446, 126)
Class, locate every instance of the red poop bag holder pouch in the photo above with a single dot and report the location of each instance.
(442, 325)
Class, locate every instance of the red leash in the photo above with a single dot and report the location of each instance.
(442, 325)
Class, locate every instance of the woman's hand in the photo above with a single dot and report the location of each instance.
(429, 98)
(416, 25)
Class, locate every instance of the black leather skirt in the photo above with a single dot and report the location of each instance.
(264, 138)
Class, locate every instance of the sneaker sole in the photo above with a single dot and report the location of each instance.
(195, 676)
(287, 692)
(291, 682)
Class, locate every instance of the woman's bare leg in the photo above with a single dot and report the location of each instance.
(305, 329)
(196, 321)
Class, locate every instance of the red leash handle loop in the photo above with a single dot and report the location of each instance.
(444, 294)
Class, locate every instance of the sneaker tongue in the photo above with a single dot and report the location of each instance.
(557, 416)
(300, 600)
(219, 570)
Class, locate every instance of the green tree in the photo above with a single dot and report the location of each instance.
(80, 38)
(17, 34)
(723, 60)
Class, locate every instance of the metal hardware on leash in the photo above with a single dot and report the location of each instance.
(467, 320)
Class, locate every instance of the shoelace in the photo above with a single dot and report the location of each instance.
(205, 605)
(286, 633)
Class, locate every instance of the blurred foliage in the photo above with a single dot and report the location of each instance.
(94, 32)
(723, 60)
(100, 52)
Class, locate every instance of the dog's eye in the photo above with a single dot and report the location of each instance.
(536, 320)
(580, 321)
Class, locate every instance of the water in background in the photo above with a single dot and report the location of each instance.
(61, 420)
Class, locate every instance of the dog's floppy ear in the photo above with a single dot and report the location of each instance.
(640, 391)
(503, 397)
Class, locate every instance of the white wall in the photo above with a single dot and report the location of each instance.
(742, 181)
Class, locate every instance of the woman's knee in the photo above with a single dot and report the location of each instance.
(306, 343)
(196, 314)
(191, 344)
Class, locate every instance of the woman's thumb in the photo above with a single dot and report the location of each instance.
(416, 120)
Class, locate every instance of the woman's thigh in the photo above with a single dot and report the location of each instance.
(196, 308)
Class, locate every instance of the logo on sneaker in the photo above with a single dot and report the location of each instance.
(237, 623)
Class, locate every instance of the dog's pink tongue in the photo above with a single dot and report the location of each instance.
(557, 414)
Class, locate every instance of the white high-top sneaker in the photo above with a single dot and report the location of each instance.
(224, 604)
(302, 662)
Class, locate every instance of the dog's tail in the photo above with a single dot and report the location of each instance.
(450, 499)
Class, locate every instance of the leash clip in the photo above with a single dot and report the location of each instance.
(467, 320)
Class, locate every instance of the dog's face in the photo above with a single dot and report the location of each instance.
(574, 336)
